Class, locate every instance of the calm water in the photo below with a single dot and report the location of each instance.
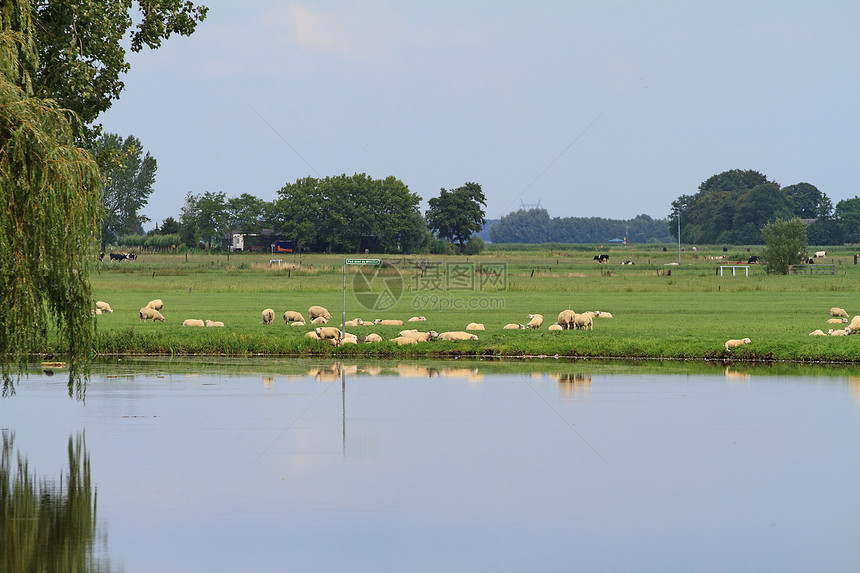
(458, 467)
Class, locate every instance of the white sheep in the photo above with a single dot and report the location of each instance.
(97, 311)
(817, 333)
(103, 306)
(329, 333)
(514, 326)
(535, 321)
(836, 311)
(320, 320)
(150, 314)
(352, 323)
(316, 311)
(312, 334)
(583, 321)
(600, 314)
(404, 340)
(854, 325)
(474, 326)
(297, 324)
(737, 342)
(373, 337)
(555, 327)
(193, 322)
(836, 321)
(214, 323)
(155, 304)
(457, 335)
(417, 319)
(840, 332)
(419, 336)
(268, 316)
(348, 338)
(293, 316)
(388, 322)
(566, 318)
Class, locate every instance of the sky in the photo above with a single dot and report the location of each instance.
(589, 108)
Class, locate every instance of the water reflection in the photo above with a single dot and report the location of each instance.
(46, 526)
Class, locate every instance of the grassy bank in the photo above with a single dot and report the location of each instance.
(687, 313)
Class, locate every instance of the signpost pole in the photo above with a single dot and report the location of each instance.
(343, 307)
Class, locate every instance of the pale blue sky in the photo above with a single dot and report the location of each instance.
(595, 109)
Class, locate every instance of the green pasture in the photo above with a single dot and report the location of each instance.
(687, 313)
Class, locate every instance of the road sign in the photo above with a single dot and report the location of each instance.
(363, 261)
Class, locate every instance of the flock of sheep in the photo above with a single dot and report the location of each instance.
(839, 316)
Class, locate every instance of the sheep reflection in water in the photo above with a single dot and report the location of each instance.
(572, 386)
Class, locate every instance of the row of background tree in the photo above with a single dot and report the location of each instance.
(732, 207)
(536, 226)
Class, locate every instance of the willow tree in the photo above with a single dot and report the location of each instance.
(49, 207)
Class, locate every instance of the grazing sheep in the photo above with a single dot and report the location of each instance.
(388, 322)
(97, 311)
(854, 326)
(836, 311)
(817, 333)
(583, 321)
(555, 327)
(293, 316)
(214, 323)
(373, 337)
(316, 311)
(329, 333)
(566, 318)
(457, 335)
(268, 316)
(150, 314)
(535, 321)
(155, 304)
(474, 326)
(320, 320)
(193, 322)
(103, 306)
(419, 336)
(404, 340)
(417, 319)
(514, 326)
(840, 332)
(737, 342)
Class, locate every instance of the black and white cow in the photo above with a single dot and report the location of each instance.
(604, 258)
(122, 256)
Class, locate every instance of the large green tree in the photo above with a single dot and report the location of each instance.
(81, 47)
(785, 244)
(49, 209)
(127, 187)
(456, 214)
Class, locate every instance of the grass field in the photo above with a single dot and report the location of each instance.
(687, 313)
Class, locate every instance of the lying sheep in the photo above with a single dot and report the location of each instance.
(457, 335)
(150, 314)
(566, 318)
(836, 311)
(103, 306)
(97, 311)
(193, 322)
(320, 320)
(514, 326)
(474, 326)
(388, 322)
(840, 332)
(817, 333)
(214, 323)
(737, 342)
(329, 332)
(535, 321)
(419, 336)
(854, 326)
(583, 321)
(417, 319)
(312, 334)
(268, 316)
(155, 304)
(836, 320)
(599, 314)
(352, 323)
(404, 340)
(293, 316)
(297, 324)
(317, 311)
(555, 327)
(348, 338)
(373, 337)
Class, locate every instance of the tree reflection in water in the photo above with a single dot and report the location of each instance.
(45, 526)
